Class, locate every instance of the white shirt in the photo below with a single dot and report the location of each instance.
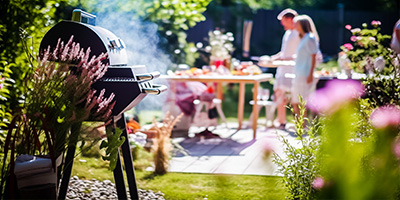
(290, 42)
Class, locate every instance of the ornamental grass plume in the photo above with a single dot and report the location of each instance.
(163, 146)
(63, 83)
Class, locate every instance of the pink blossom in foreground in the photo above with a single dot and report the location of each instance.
(385, 116)
(348, 27)
(396, 149)
(1, 86)
(268, 148)
(348, 46)
(375, 23)
(318, 183)
(334, 94)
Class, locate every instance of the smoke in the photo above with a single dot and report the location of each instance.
(142, 43)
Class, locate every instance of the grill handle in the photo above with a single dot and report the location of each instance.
(157, 89)
(148, 76)
(81, 16)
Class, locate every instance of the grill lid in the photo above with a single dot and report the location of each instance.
(99, 40)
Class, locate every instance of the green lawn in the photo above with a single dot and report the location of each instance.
(190, 186)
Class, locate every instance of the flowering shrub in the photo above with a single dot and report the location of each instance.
(368, 51)
(356, 153)
(59, 98)
(220, 44)
(300, 168)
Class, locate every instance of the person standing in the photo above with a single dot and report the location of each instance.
(282, 85)
(395, 43)
(306, 59)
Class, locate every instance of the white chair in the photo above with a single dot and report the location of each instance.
(199, 108)
(262, 101)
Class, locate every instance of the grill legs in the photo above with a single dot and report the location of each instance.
(128, 162)
(118, 171)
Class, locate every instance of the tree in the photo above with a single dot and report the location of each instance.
(22, 25)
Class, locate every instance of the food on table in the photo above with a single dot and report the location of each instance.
(191, 72)
(324, 73)
(247, 68)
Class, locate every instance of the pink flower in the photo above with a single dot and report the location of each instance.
(385, 116)
(334, 94)
(348, 46)
(348, 27)
(354, 38)
(356, 30)
(268, 149)
(318, 183)
(1, 86)
(375, 23)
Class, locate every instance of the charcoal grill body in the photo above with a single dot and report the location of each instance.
(129, 84)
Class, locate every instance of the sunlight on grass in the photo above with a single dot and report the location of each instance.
(190, 186)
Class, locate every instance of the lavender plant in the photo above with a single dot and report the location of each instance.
(59, 98)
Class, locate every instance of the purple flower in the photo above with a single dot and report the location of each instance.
(348, 46)
(385, 116)
(318, 183)
(375, 23)
(348, 27)
(334, 94)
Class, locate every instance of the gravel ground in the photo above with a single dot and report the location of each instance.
(94, 189)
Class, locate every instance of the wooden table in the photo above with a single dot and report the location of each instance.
(277, 63)
(242, 80)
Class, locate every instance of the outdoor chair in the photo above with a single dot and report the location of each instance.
(201, 116)
(263, 101)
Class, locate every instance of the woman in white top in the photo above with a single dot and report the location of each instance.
(303, 84)
(395, 44)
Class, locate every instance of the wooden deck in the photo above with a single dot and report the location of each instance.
(236, 152)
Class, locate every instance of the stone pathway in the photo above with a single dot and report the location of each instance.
(94, 189)
(234, 153)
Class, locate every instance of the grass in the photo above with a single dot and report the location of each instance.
(190, 186)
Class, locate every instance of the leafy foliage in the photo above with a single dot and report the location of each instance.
(382, 90)
(353, 168)
(368, 46)
(301, 167)
(22, 25)
(114, 141)
(173, 18)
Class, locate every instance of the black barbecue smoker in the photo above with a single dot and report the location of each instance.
(130, 84)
